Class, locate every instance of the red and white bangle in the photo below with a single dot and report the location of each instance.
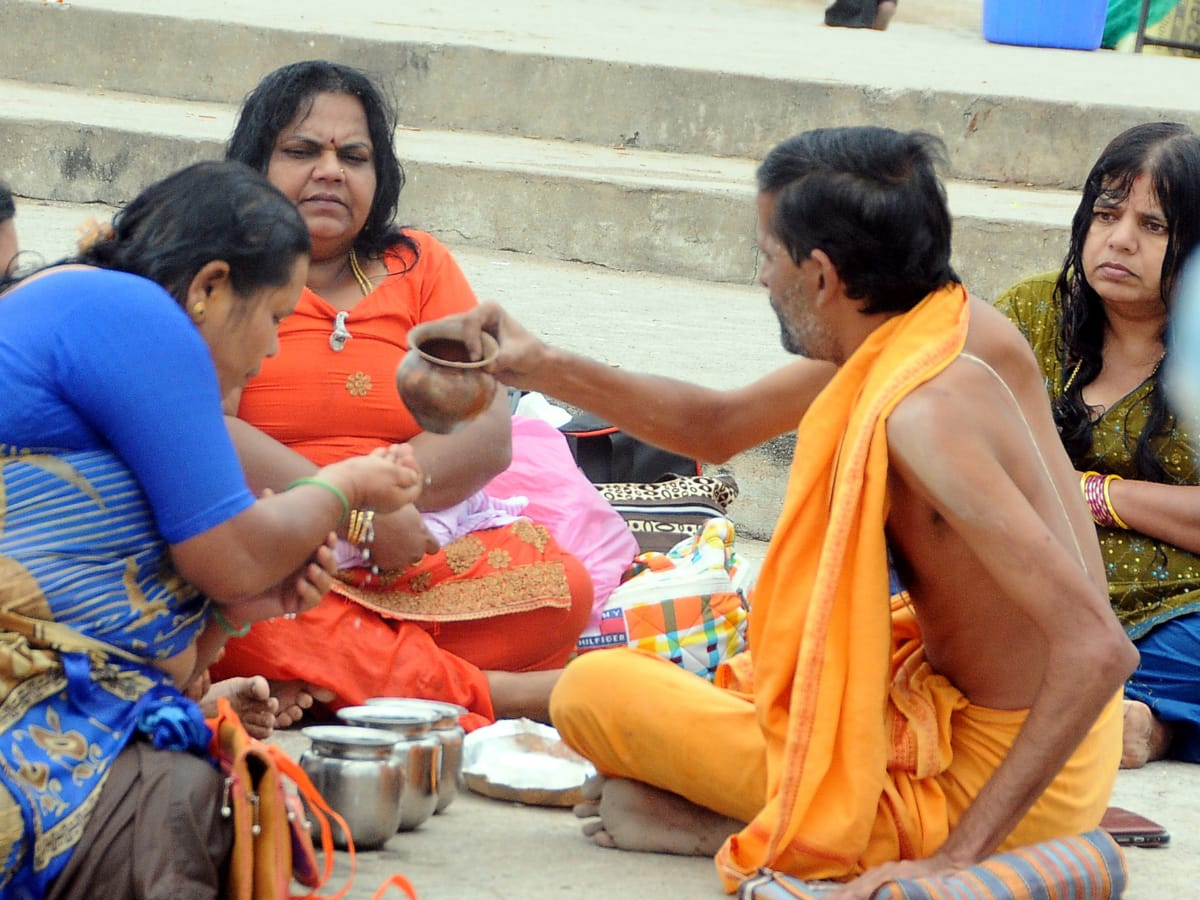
(1095, 489)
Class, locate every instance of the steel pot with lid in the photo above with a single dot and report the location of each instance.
(360, 776)
(448, 732)
(417, 748)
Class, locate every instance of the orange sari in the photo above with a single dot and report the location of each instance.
(506, 598)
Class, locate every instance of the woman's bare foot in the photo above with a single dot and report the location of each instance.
(630, 815)
(1145, 737)
(250, 698)
(293, 698)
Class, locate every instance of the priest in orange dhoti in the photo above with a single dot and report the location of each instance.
(864, 736)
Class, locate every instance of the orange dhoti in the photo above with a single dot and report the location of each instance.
(636, 715)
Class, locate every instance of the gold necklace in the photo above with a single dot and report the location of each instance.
(1075, 371)
(364, 284)
(1154, 371)
(1070, 381)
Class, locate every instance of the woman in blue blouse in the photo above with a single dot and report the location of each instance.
(130, 545)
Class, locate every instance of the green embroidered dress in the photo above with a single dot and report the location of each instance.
(1149, 581)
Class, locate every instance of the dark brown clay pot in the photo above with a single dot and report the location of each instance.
(441, 386)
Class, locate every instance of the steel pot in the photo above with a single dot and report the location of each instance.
(447, 730)
(360, 775)
(417, 749)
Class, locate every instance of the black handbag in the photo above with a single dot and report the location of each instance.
(608, 455)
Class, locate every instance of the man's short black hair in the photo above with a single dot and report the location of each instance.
(871, 199)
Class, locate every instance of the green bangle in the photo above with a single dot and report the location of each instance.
(227, 626)
(332, 488)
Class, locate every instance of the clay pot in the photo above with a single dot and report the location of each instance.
(438, 382)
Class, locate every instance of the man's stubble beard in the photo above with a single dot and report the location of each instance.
(808, 337)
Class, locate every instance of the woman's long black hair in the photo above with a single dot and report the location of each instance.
(1170, 154)
(207, 211)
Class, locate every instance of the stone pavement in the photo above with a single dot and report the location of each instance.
(592, 165)
(483, 849)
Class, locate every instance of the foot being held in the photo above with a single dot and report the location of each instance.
(293, 698)
(250, 698)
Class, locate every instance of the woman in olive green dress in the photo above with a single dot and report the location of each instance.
(1098, 328)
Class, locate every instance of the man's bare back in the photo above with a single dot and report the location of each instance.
(968, 435)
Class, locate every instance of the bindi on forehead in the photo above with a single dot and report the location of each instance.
(334, 134)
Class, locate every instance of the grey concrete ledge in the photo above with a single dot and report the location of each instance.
(729, 78)
(628, 209)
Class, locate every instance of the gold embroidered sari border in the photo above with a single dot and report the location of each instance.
(505, 593)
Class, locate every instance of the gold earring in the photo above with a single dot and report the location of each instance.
(197, 312)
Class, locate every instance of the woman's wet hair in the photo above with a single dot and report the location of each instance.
(871, 199)
(208, 211)
(287, 94)
(1169, 154)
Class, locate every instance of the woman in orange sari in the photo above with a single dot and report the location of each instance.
(463, 599)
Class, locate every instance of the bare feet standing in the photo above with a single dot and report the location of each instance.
(860, 13)
(1145, 736)
(630, 815)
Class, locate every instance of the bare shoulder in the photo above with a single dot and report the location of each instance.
(994, 339)
(942, 414)
(979, 411)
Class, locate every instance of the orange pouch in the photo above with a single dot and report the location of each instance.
(270, 800)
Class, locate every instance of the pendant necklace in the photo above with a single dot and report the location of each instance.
(341, 334)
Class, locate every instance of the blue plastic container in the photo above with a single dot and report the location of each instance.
(1070, 24)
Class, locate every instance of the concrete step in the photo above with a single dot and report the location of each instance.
(629, 209)
(718, 335)
(710, 77)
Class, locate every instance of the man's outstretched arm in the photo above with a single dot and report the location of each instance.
(708, 424)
